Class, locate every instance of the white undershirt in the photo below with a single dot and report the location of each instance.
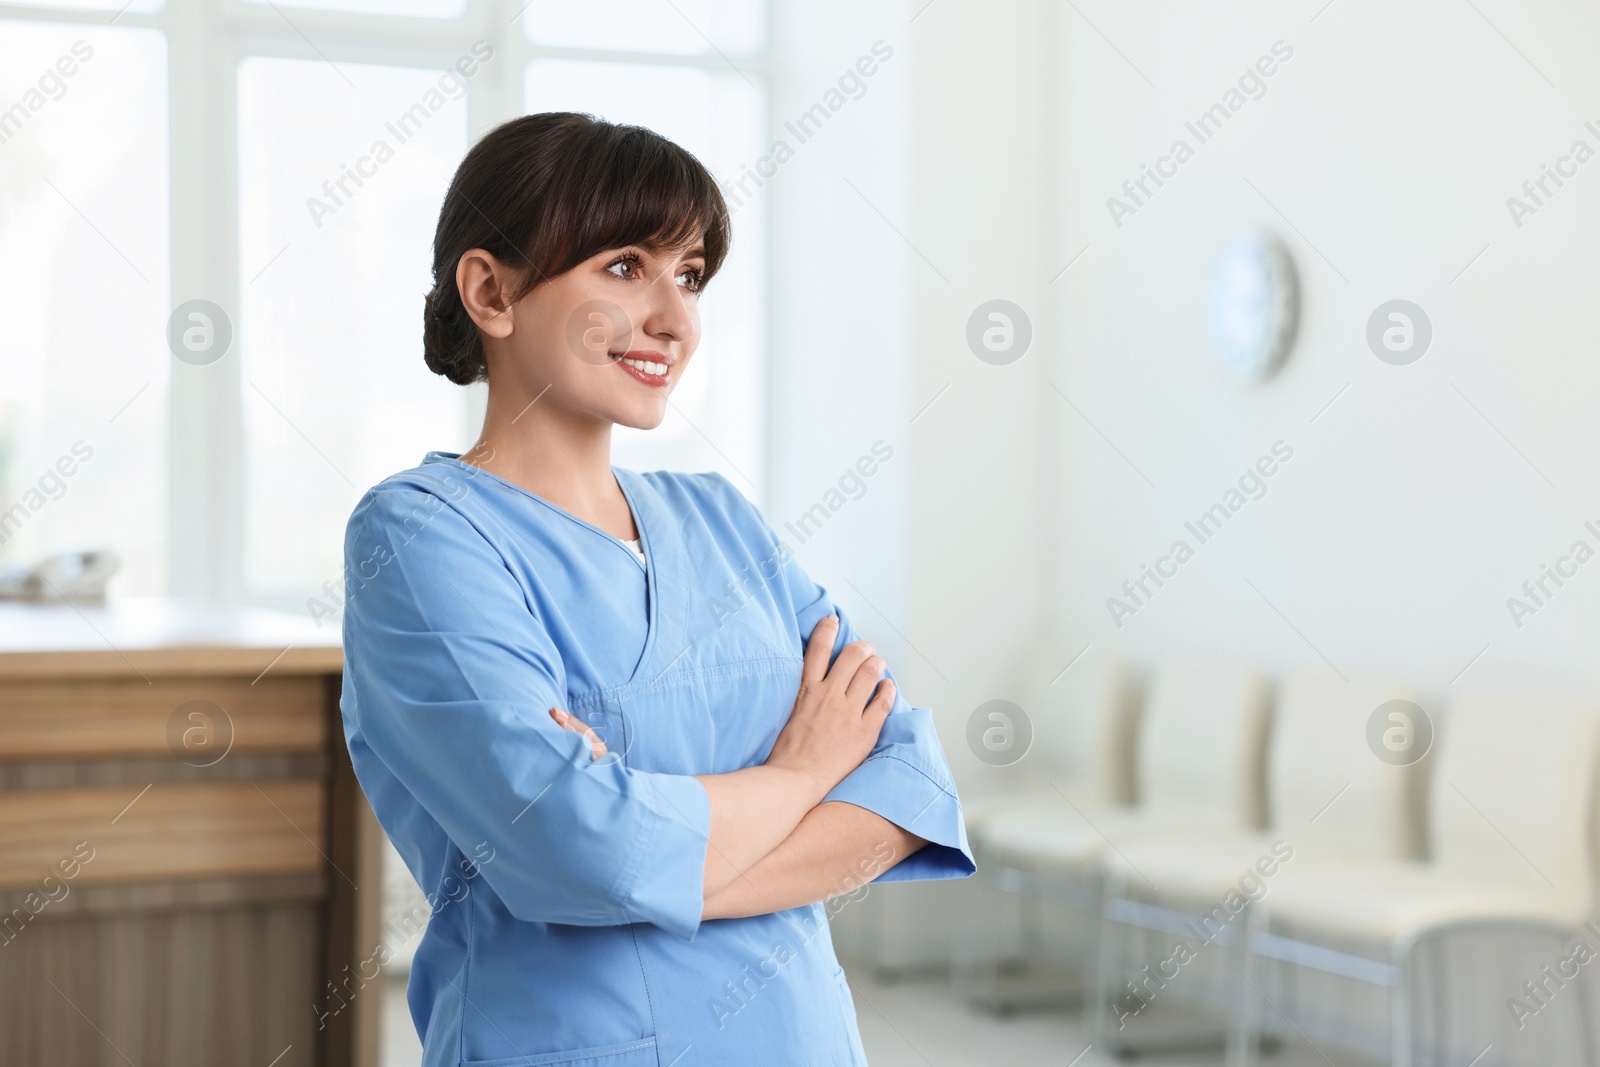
(637, 548)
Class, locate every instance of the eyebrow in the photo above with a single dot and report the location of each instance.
(697, 251)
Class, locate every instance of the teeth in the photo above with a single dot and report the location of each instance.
(646, 366)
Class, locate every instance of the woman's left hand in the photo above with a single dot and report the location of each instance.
(578, 726)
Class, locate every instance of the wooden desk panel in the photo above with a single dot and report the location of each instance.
(200, 718)
(162, 832)
(220, 901)
(193, 987)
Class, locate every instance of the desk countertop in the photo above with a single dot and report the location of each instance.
(163, 635)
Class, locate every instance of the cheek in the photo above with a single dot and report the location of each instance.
(567, 336)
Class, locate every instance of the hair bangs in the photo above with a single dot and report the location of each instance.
(651, 193)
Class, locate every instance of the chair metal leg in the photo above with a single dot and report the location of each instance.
(963, 936)
(1440, 1051)
(1401, 1018)
(1244, 1028)
(1030, 923)
(1108, 962)
(1293, 985)
(977, 967)
(1585, 1019)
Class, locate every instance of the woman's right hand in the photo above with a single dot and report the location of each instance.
(839, 710)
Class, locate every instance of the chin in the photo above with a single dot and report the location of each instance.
(641, 420)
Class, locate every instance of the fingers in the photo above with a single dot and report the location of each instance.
(597, 747)
(882, 702)
(818, 648)
(866, 677)
(850, 659)
(850, 672)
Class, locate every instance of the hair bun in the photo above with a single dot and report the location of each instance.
(448, 348)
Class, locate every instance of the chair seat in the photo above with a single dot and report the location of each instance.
(1059, 836)
(1381, 902)
(980, 811)
(1068, 837)
(1180, 866)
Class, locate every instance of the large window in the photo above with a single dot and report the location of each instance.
(84, 267)
(335, 393)
(204, 300)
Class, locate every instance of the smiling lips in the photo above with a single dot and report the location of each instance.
(648, 367)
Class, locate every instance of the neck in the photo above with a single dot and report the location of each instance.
(564, 458)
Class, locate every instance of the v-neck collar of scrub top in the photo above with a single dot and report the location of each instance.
(641, 500)
(616, 472)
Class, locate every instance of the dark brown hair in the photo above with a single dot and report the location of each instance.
(545, 192)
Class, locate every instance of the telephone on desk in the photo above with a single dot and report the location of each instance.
(79, 576)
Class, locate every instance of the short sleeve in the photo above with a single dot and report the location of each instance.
(906, 778)
(449, 676)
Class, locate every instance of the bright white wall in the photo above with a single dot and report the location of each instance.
(1406, 518)
(840, 301)
(984, 529)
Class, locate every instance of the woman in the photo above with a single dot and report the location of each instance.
(613, 700)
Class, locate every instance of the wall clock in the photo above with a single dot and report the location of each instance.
(1253, 305)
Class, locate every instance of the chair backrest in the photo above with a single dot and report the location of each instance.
(1083, 741)
(1329, 791)
(1202, 742)
(1513, 790)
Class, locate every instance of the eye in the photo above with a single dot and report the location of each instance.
(632, 261)
(696, 279)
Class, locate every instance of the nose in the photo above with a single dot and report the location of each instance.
(669, 312)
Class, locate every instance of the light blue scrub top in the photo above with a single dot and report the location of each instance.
(566, 892)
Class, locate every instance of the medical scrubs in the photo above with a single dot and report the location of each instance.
(565, 891)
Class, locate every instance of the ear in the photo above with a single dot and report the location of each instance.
(484, 282)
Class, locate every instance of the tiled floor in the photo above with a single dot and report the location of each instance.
(920, 1024)
(917, 1023)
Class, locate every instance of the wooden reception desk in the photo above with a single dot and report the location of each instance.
(189, 873)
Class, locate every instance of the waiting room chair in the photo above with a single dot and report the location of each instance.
(1080, 760)
(1330, 800)
(1510, 806)
(1200, 744)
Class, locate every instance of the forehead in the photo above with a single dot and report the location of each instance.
(683, 249)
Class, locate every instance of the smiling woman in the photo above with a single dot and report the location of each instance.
(530, 224)
(669, 794)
